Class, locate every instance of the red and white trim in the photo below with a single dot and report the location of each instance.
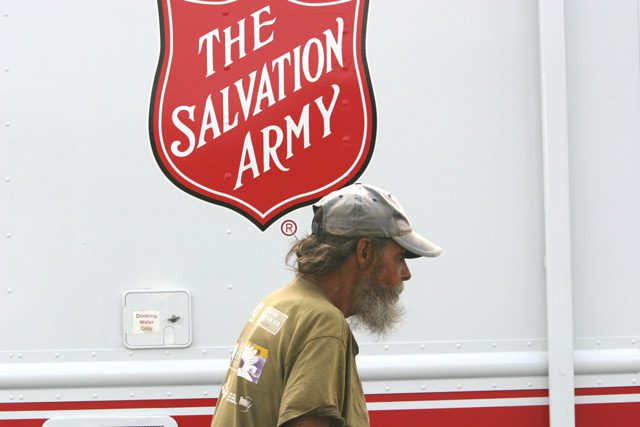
(522, 407)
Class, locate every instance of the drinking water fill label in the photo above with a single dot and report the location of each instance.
(146, 322)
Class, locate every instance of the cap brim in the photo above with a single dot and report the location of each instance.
(417, 246)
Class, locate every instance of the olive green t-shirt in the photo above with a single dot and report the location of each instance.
(295, 356)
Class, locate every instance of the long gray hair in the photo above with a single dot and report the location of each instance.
(317, 255)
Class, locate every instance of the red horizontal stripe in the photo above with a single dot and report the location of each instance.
(597, 415)
(596, 391)
(518, 416)
(610, 415)
(455, 395)
(22, 423)
(193, 420)
(607, 414)
(107, 404)
(387, 397)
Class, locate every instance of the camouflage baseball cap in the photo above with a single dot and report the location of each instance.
(366, 210)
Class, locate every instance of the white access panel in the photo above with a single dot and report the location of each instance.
(156, 318)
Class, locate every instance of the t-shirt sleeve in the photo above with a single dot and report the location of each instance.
(315, 383)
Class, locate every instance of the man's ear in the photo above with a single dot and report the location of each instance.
(364, 253)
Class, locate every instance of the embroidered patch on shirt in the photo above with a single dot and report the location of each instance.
(252, 361)
(272, 320)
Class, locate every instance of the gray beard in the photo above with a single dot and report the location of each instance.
(377, 308)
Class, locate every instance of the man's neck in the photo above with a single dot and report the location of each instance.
(338, 287)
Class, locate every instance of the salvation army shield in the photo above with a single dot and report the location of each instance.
(262, 106)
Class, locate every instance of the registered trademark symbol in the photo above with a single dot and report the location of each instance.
(288, 227)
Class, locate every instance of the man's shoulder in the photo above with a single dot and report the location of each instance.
(305, 305)
(301, 292)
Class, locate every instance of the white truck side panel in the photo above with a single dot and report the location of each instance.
(86, 214)
(458, 142)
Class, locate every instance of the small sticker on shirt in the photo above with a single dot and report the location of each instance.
(244, 403)
(252, 361)
(272, 320)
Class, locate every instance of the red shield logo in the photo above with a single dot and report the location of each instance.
(262, 106)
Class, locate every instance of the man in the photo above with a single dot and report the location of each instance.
(294, 363)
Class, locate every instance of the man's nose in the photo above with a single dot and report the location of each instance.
(406, 274)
